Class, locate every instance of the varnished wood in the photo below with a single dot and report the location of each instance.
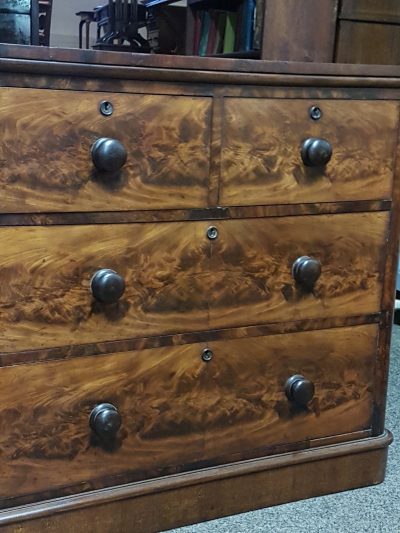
(179, 412)
(38, 55)
(338, 78)
(198, 496)
(45, 151)
(261, 160)
(180, 215)
(234, 295)
(99, 348)
(387, 304)
(368, 42)
(382, 11)
(178, 281)
(299, 30)
(252, 265)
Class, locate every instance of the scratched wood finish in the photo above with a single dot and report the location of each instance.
(178, 281)
(261, 160)
(178, 411)
(46, 142)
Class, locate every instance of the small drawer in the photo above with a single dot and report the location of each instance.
(54, 158)
(64, 285)
(262, 144)
(166, 410)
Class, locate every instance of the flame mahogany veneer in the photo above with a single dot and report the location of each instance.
(197, 261)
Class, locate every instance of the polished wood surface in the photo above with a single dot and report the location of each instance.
(289, 36)
(177, 410)
(261, 160)
(177, 280)
(178, 339)
(196, 496)
(180, 215)
(30, 59)
(368, 42)
(46, 161)
(252, 264)
(383, 10)
(199, 439)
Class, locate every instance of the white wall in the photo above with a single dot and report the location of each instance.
(65, 24)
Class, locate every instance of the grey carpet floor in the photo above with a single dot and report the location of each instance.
(370, 510)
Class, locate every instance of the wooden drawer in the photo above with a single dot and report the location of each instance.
(252, 263)
(262, 139)
(177, 280)
(178, 412)
(45, 151)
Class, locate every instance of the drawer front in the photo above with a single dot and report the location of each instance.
(177, 280)
(253, 264)
(46, 144)
(178, 412)
(261, 152)
(46, 298)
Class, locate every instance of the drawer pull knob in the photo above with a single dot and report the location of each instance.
(105, 420)
(299, 390)
(306, 270)
(316, 152)
(108, 155)
(107, 286)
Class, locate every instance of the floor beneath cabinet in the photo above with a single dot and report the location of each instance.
(372, 510)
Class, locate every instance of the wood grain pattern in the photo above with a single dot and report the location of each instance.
(179, 412)
(177, 281)
(46, 142)
(368, 43)
(45, 73)
(45, 297)
(33, 57)
(261, 160)
(288, 35)
(322, 470)
(388, 303)
(383, 11)
(179, 215)
(252, 262)
(178, 339)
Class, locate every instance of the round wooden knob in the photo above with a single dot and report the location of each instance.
(299, 390)
(108, 155)
(306, 270)
(105, 420)
(316, 152)
(107, 286)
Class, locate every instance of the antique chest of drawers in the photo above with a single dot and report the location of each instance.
(197, 261)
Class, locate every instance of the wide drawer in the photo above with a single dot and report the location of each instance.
(46, 161)
(261, 151)
(178, 411)
(177, 280)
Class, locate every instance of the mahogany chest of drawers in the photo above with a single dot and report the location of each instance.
(197, 261)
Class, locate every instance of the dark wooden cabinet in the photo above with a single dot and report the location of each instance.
(341, 31)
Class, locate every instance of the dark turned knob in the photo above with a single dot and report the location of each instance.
(306, 270)
(105, 420)
(316, 152)
(108, 155)
(299, 390)
(107, 286)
